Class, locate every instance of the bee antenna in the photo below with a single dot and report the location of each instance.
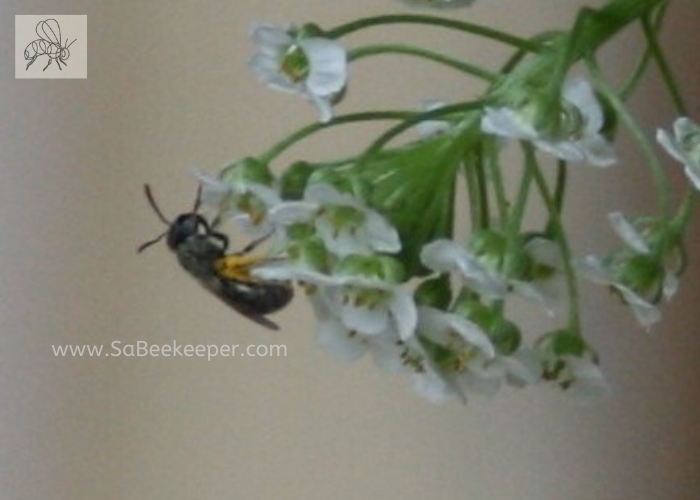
(154, 206)
(197, 199)
(144, 246)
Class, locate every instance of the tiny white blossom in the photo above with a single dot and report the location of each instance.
(371, 306)
(596, 269)
(583, 144)
(605, 271)
(349, 345)
(345, 224)
(315, 68)
(546, 291)
(519, 369)
(447, 256)
(684, 146)
(583, 379)
(246, 202)
(468, 346)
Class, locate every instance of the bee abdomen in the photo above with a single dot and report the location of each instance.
(259, 297)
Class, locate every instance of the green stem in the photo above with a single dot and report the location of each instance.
(657, 170)
(463, 26)
(560, 186)
(480, 178)
(490, 148)
(416, 118)
(686, 209)
(559, 234)
(664, 68)
(516, 216)
(312, 128)
(379, 49)
(472, 193)
(639, 71)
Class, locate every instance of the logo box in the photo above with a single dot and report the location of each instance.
(50, 46)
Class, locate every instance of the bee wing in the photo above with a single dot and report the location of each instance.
(50, 31)
(222, 289)
(260, 320)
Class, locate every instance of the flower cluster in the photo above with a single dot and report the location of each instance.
(375, 240)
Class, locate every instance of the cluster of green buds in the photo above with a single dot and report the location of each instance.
(373, 240)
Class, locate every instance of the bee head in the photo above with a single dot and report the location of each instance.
(185, 226)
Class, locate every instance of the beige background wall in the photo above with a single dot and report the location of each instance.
(168, 90)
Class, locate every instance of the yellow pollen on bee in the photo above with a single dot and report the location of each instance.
(236, 267)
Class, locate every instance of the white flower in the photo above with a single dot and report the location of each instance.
(447, 256)
(611, 271)
(518, 369)
(582, 378)
(583, 143)
(455, 357)
(366, 304)
(684, 146)
(349, 345)
(315, 68)
(443, 356)
(246, 202)
(438, 4)
(371, 306)
(345, 224)
(545, 291)
(598, 271)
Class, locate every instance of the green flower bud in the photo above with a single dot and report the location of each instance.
(300, 231)
(505, 336)
(562, 343)
(489, 246)
(310, 30)
(519, 265)
(475, 312)
(644, 274)
(249, 170)
(380, 267)
(434, 292)
(293, 181)
(310, 251)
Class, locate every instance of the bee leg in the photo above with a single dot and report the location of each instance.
(49, 64)
(253, 244)
(31, 62)
(221, 237)
(215, 235)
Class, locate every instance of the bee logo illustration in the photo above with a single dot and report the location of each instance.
(202, 252)
(49, 44)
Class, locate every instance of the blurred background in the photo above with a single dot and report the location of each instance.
(168, 91)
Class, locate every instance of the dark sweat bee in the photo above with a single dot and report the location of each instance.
(202, 252)
(49, 44)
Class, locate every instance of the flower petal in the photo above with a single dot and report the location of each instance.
(404, 313)
(628, 233)
(506, 122)
(646, 313)
(447, 256)
(328, 66)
